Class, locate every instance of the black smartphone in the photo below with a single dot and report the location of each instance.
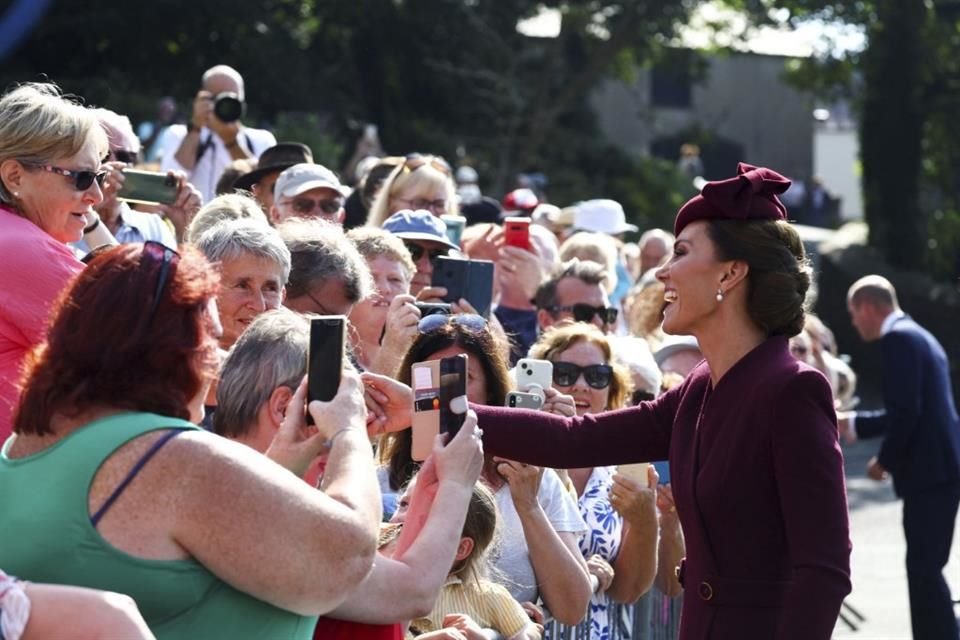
(468, 279)
(325, 358)
(453, 384)
(148, 187)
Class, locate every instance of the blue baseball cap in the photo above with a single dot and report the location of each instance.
(418, 225)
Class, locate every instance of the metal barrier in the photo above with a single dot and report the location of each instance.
(653, 617)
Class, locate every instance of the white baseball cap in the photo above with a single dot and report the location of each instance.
(303, 177)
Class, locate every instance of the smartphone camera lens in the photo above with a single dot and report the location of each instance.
(513, 402)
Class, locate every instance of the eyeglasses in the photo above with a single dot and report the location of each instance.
(583, 312)
(640, 395)
(598, 376)
(417, 251)
(81, 179)
(166, 256)
(469, 321)
(415, 160)
(125, 156)
(307, 205)
(432, 206)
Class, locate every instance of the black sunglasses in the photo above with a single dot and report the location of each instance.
(166, 256)
(583, 312)
(598, 376)
(417, 251)
(306, 205)
(81, 179)
(469, 321)
(125, 156)
(641, 395)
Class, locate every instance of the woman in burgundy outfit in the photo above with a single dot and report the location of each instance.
(751, 434)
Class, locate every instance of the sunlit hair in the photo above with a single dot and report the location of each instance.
(424, 181)
(482, 346)
(374, 242)
(233, 239)
(319, 252)
(559, 338)
(105, 348)
(229, 206)
(38, 125)
(593, 247)
(225, 71)
(271, 353)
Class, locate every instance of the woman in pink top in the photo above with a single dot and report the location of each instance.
(50, 180)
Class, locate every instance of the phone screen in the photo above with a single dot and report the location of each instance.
(325, 358)
(453, 383)
(148, 187)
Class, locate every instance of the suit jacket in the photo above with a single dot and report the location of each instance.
(758, 480)
(921, 445)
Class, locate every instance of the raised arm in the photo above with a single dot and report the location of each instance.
(267, 533)
(810, 482)
(636, 563)
(406, 586)
(636, 434)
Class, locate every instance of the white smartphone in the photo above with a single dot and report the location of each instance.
(636, 472)
(533, 376)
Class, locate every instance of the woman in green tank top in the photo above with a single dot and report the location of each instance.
(106, 482)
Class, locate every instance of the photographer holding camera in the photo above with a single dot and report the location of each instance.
(215, 136)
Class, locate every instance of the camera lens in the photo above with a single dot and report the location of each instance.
(228, 107)
(513, 402)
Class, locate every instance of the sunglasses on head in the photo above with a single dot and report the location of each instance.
(82, 180)
(166, 256)
(583, 312)
(415, 160)
(307, 205)
(417, 251)
(598, 376)
(469, 321)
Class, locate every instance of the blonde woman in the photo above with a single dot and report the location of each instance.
(421, 182)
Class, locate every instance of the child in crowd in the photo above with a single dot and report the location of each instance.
(468, 600)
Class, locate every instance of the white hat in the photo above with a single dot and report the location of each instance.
(601, 216)
(303, 177)
(674, 344)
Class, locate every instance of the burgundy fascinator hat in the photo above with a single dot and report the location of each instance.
(751, 195)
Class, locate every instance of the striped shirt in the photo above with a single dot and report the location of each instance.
(488, 603)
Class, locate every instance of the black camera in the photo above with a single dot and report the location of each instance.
(433, 308)
(228, 107)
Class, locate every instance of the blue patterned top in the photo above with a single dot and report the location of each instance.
(605, 529)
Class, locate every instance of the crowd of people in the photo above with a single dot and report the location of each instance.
(165, 476)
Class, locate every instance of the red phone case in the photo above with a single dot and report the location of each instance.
(516, 232)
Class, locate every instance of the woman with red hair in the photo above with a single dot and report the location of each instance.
(210, 538)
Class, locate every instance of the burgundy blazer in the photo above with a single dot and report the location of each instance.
(757, 475)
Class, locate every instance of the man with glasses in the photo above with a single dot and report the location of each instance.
(125, 223)
(274, 161)
(308, 190)
(575, 293)
(425, 236)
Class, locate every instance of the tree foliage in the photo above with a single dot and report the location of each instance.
(453, 76)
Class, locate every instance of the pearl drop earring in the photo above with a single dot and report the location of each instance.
(719, 295)
(16, 194)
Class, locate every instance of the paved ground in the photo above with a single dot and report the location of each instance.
(879, 575)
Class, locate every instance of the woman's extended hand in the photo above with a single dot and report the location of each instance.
(389, 403)
(524, 481)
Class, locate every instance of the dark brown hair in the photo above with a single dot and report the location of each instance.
(779, 273)
(105, 348)
(483, 346)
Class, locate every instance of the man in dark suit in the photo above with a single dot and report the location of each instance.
(921, 446)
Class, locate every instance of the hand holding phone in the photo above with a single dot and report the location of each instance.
(471, 280)
(437, 383)
(534, 376)
(636, 472)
